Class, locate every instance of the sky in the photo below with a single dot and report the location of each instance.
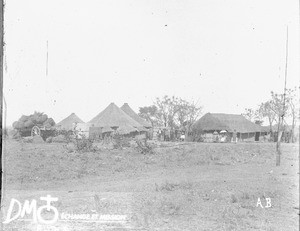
(227, 55)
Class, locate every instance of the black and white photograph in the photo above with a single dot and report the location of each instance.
(150, 115)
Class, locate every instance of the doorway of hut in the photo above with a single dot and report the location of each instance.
(257, 136)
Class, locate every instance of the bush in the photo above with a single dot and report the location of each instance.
(144, 147)
(28, 139)
(84, 144)
(16, 135)
(120, 141)
(59, 139)
(68, 135)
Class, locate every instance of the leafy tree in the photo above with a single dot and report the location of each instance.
(167, 107)
(149, 113)
(171, 111)
(265, 111)
(188, 113)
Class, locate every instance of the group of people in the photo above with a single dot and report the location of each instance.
(167, 135)
(223, 137)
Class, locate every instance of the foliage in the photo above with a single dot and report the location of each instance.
(149, 113)
(167, 107)
(144, 147)
(16, 135)
(84, 144)
(265, 111)
(188, 113)
(81, 142)
(120, 141)
(293, 109)
(172, 112)
(27, 139)
(58, 139)
(67, 135)
(279, 104)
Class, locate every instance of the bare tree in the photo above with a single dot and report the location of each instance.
(249, 114)
(292, 110)
(278, 105)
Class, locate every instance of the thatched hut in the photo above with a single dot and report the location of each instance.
(127, 109)
(290, 133)
(244, 129)
(114, 118)
(146, 127)
(83, 129)
(69, 123)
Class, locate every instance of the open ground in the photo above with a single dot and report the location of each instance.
(182, 186)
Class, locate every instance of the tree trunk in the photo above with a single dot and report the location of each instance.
(278, 148)
(278, 144)
(293, 129)
(271, 129)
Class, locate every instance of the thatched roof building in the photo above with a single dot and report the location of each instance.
(69, 122)
(127, 109)
(113, 117)
(228, 122)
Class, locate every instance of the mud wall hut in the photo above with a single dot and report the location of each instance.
(210, 123)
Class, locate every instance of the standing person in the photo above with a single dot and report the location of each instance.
(182, 137)
(159, 134)
(234, 136)
(215, 136)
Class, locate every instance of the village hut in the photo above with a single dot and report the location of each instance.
(146, 127)
(83, 129)
(69, 122)
(127, 109)
(290, 133)
(112, 117)
(234, 125)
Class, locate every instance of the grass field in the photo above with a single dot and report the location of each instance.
(182, 186)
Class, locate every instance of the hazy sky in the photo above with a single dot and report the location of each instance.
(227, 54)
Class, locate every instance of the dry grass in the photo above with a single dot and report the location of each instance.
(187, 187)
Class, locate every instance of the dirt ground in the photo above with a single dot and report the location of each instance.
(182, 186)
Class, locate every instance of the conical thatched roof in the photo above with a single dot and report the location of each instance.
(68, 123)
(228, 122)
(112, 116)
(126, 129)
(135, 116)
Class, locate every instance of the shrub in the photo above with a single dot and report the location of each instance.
(120, 141)
(16, 136)
(144, 147)
(84, 144)
(28, 139)
(59, 139)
